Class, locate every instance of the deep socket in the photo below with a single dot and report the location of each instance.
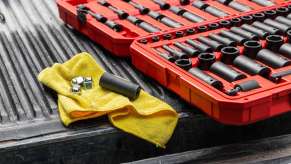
(216, 46)
(206, 78)
(285, 50)
(200, 46)
(224, 40)
(267, 28)
(237, 38)
(178, 54)
(272, 59)
(250, 66)
(244, 33)
(261, 33)
(226, 72)
(188, 50)
(282, 27)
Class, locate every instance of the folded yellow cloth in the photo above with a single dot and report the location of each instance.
(146, 117)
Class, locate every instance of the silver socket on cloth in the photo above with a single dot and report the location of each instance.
(88, 83)
(77, 80)
(76, 89)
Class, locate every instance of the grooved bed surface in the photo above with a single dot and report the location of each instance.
(32, 39)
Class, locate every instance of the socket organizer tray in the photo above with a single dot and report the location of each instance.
(230, 58)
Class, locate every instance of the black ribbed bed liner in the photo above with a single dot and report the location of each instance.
(34, 38)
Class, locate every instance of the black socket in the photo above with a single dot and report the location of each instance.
(143, 10)
(134, 20)
(283, 20)
(179, 34)
(202, 28)
(120, 85)
(213, 26)
(236, 21)
(224, 40)
(226, 72)
(178, 54)
(163, 19)
(104, 3)
(143, 41)
(248, 85)
(264, 3)
(155, 38)
(251, 48)
(190, 31)
(237, 38)
(114, 26)
(155, 15)
(272, 59)
(163, 5)
(225, 23)
(82, 12)
(170, 22)
(206, 60)
(167, 36)
(184, 2)
(215, 11)
(244, 33)
(259, 32)
(206, 78)
(225, 2)
(259, 16)
(267, 28)
(177, 10)
(250, 66)
(99, 17)
(82, 17)
(200, 5)
(200, 46)
(188, 50)
(229, 54)
(167, 56)
(289, 36)
(146, 26)
(283, 11)
(247, 19)
(239, 7)
(216, 46)
(285, 50)
(82, 7)
(282, 27)
(185, 64)
(270, 13)
(274, 42)
(121, 14)
(192, 17)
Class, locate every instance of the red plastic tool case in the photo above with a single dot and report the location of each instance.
(244, 108)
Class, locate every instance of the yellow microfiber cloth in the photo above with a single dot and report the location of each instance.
(146, 117)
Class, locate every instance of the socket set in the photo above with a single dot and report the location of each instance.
(230, 58)
(238, 72)
(114, 24)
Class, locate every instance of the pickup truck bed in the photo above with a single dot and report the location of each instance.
(33, 38)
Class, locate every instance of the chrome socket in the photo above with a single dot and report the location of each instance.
(76, 89)
(88, 83)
